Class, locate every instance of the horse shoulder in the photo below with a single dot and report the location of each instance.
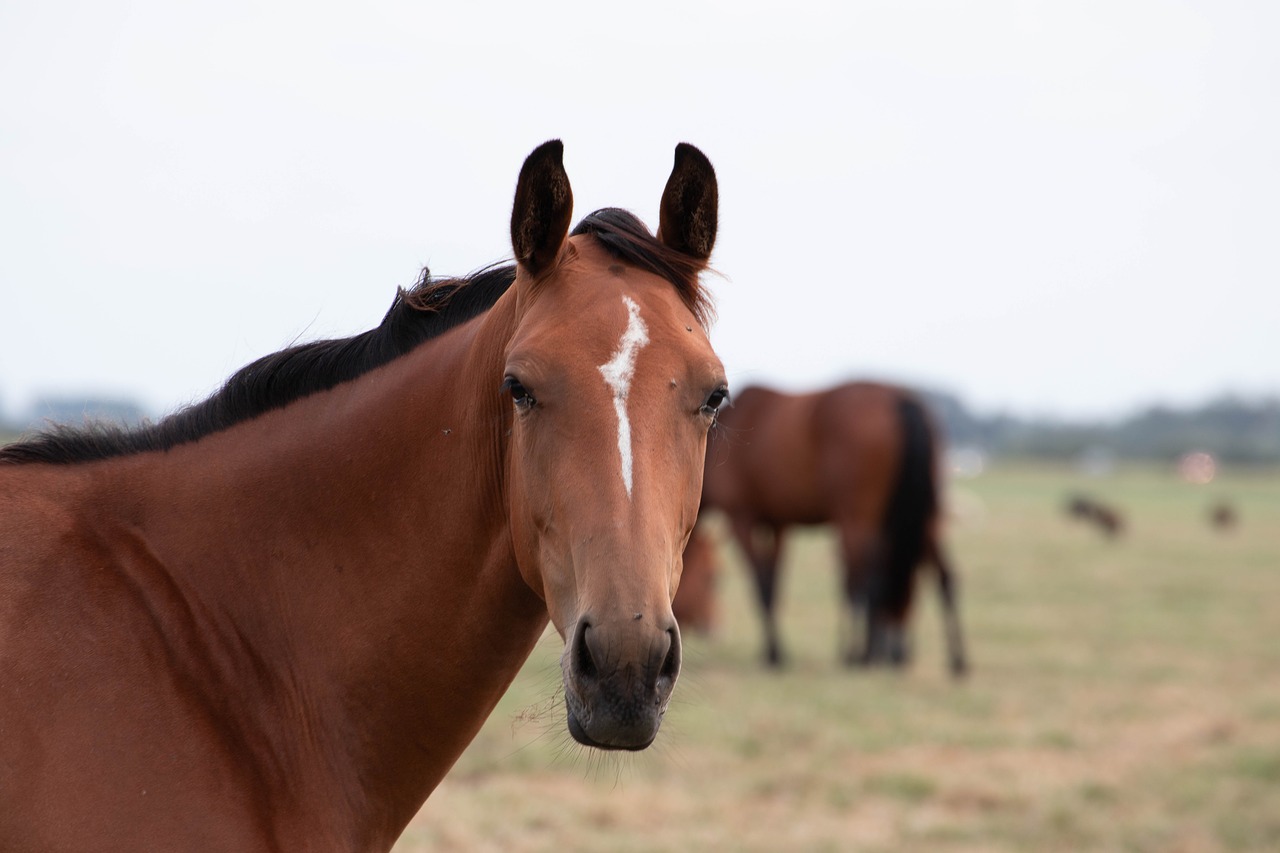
(103, 678)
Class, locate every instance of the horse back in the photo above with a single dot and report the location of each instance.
(857, 428)
(762, 460)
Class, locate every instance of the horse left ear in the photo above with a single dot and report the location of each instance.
(687, 217)
(543, 206)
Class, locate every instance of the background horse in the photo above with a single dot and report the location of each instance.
(1223, 516)
(860, 456)
(1106, 518)
(273, 621)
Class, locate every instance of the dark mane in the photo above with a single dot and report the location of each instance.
(427, 310)
(627, 239)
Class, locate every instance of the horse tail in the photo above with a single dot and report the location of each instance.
(912, 507)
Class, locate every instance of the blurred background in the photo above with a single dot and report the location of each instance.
(1057, 220)
(1044, 209)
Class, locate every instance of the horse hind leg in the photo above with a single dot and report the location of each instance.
(762, 545)
(893, 641)
(888, 640)
(957, 658)
(852, 617)
(861, 553)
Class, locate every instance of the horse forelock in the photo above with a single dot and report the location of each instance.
(625, 237)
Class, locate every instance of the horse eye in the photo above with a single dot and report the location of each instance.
(519, 394)
(715, 401)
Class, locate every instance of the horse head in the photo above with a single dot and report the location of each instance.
(613, 387)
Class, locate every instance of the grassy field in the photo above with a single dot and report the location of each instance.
(1125, 696)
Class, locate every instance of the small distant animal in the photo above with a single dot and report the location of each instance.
(1223, 516)
(1108, 519)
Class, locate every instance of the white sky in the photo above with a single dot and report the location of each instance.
(1054, 208)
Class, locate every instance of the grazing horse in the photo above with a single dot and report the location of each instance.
(274, 620)
(1106, 518)
(860, 456)
(1222, 517)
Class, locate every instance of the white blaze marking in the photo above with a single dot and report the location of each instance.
(617, 373)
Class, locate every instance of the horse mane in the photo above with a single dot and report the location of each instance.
(425, 311)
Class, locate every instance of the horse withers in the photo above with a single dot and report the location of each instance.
(274, 620)
(861, 457)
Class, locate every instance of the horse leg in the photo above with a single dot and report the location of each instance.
(888, 641)
(853, 609)
(763, 557)
(950, 613)
(861, 554)
(886, 631)
(893, 643)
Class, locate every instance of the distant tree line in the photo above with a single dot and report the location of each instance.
(1235, 430)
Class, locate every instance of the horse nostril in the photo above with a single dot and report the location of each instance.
(583, 662)
(671, 663)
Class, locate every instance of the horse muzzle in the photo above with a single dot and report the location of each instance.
(618, 680)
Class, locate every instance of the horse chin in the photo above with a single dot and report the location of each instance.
(632, 738)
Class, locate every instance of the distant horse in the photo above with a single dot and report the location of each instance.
(274, 620)
(1222, 517)
(860, 456)
(1106, 518)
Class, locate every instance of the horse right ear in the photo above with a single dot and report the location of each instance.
(688, 214)
(542, 209)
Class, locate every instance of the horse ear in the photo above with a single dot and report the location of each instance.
(687, 217)
(543, 206)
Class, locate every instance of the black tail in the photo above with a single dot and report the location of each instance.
(911, 509)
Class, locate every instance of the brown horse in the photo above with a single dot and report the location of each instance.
(1222, 517)
(273, 621)
(860, 456)
(1106, 518)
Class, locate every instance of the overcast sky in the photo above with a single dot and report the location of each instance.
(1067, 208)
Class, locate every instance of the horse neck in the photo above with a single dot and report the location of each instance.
(352, 556)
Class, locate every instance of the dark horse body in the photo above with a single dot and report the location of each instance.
(1106, 518)
(274, 621)
(861, 457)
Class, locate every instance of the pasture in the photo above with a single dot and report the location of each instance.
(1125, 695)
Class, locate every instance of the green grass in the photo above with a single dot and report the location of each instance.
(1125, 696)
